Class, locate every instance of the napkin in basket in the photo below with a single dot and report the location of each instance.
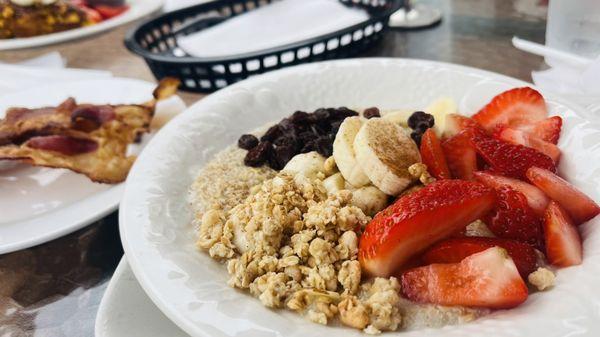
(273, 25)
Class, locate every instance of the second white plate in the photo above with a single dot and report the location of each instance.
(40, 204)
(138, 9)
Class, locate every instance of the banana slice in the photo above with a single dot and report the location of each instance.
(309, 164)
(385, 151)
(369, 199)
(440, 108)
(343, 152)
(398, 116)
(334, 183)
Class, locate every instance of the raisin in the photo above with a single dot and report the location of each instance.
(416, 136)
(259, 154)
(280, 156)
(247, 142)
(422, 127)
(419, 117)
(342, 112)
(271, 134)
(321, 115)
(324, 146)
(299, 117)
(371, 113)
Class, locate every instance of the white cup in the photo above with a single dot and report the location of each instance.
(574, 26)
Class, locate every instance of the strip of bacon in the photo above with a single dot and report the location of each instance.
(66, 145)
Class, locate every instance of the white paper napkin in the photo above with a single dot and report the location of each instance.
(270, 26)
(49, 68)
(579, 84)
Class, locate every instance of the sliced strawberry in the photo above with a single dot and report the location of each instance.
(486, 279)
(580, 207)
(417, 220)
(508, 159)
(455, 250)
(456, 123)
(460, 155)
(523, 138)
(91, 14)
(536, 199)
(515, 107)
(108, 12)
(563, 243)
(512, 218)
(547, 130)
(433, 155)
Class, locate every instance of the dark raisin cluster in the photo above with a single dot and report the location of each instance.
(300, 133)
(420, 121)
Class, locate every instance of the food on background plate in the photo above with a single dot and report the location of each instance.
(27, 18)
(85, 138)
(388, 220)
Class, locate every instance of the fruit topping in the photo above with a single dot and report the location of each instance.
(536, 199)
(579, 206)
(508, 159)
(547, 130)
(433, 155)
(302, 132)
(513, 108)
(384, 152)
(108, 12)
(440, 108)
(371, 113)
(512, 218)
(344, 154)
(460, 155)
(420, 121)
(258, 155)
(487, 279)
(563, 243)
(419, 219)
(456, 123)
(515, 136)
(455, 250)
(247, 142)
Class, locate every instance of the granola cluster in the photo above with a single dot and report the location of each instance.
(291, 244)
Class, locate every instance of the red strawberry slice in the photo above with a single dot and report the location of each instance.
(109, 12)
(523, 138)
(486, 279)
(460, 155)
(508, 159)
(456, 123)
(536, 199)
(417, 220)
(512, 218)
(580, 207)
(455, 250)
(515, 107)
(547, 130)
(433, 155)
(563, 243)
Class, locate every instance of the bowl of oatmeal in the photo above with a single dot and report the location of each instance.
(265, 234)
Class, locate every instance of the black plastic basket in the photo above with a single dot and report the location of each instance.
(155, 40)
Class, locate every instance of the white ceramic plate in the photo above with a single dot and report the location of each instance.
(190, 288)
(137, 9)
(137, 316)
(39, 204)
